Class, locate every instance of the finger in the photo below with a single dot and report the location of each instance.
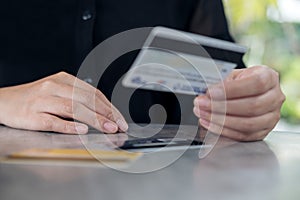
(77, 83)
(242, 124)
(96, 103)
(89, 100)
(247, 107)
(234, 134)
(252, 85)
(48, 122)
(69, 109)
(234, 74)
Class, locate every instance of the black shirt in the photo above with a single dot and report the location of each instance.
(40, 38)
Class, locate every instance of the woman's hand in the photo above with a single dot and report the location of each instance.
(45, 105)
(253, 100)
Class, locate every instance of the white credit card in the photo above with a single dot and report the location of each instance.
(180, 62)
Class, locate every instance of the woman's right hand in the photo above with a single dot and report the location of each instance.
(44, 105)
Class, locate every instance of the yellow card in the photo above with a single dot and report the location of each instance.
(76, 154)
(72, 157)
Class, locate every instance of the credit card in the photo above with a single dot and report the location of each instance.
(159, 142)
(179, 62)
(72, 157)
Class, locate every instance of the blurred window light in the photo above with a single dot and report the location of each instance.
(288, 11)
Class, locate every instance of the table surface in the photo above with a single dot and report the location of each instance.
(268, 169)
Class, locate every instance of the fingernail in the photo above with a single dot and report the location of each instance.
(110, 127)
(202, 102)
(82, 129)
(122, 125)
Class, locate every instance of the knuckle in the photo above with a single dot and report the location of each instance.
(66, 127)
(106, 110)
(282, 98)
(279, 99)
(110, 114)
(67, 107)
(261, 82)
(47, 124)
(46, 85)
(63, 75)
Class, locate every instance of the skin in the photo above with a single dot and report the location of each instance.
(45, 105)
(253, 100)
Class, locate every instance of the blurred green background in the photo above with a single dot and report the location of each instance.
(271, 30)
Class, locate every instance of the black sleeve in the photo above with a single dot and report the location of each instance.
(209, 19)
